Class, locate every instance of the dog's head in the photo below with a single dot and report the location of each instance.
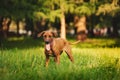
(47, 36)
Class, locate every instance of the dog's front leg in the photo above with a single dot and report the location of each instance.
(57, 59)
(47, 61)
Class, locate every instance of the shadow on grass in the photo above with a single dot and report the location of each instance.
(100, 42)
(117, 42)
(99, 73)
(28, 42)
(21, 43)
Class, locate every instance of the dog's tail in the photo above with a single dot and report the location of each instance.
(75, 42)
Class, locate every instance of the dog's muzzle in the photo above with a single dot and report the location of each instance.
(47, 42)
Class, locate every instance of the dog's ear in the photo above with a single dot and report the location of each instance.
(55, 34)
(40, 34)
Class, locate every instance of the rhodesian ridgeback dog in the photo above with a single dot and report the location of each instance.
(55, 46)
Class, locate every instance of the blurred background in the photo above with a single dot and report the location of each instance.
(80, 19)
(95, 22)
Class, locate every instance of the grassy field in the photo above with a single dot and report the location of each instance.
(96, 59)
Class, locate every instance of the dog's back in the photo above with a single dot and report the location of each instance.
(59, 44)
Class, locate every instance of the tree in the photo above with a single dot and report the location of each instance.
(57, 8)
(82, 11)
(51, 10)
(18, 10)
(110, 10)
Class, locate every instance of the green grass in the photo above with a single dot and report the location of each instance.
(96, 59)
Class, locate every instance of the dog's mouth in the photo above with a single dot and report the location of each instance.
(47, 46)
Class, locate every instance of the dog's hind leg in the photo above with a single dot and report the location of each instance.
(67, 49)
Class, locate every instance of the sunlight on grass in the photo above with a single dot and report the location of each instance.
(29, 63)
(98, 43)
(15, 38)
(22, 62)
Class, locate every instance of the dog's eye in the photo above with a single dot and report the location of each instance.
(45, 36)
(50, 36)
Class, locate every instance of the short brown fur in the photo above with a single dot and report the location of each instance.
(56, 45)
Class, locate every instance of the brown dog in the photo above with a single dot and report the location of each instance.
(55, 46)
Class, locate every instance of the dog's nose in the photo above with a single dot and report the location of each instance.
(47, 42)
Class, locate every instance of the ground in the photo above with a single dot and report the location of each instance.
(95, 59)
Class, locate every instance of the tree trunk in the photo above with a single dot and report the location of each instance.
(5, 26)
(115, 26)
(17, 23)
(62, 19)
(1, 19)
(80, 25)
(63, 27)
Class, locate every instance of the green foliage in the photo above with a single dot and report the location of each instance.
(70, 8)
(50, 9)
(17, 9)
(28, 7)
(85, 9)
(107, 9)
(53, 14)
(39, 15)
